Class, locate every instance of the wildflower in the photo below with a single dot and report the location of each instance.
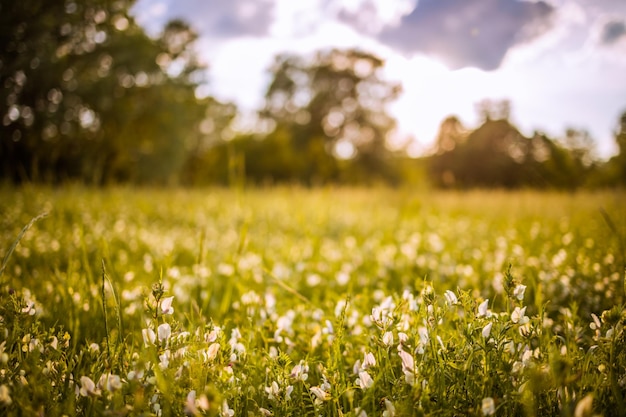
(300, 372)
(190, 404)
(483, 309)
(364, 381)
(320, 394)
(211, 353)
(212, 336)
(340, 307)
(368, 360)
(166, 305)
(235, 345)
(164, 359)
(164, 332)
(390, 410)
(109, 382)
(4, 357)
(381, 316)
(518, 291)
(407, 361)
(135, 375)
(423, 334)
(149, 337)
(525, 329)
(358, 412)
(226, 410)
(273, 391)
(54, 342)
(273, 353)
(225, 269)
(288, 392)
(5, 395)
(265, 411)
(487, 330)
(517, 368)
(388, 338)
(87, 387)
(30, 308)
(488, 406)
(156, 406)
(584, 406)
(451, 298)
(596, 324)
(519, 316)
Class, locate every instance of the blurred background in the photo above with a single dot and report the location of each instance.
(449, 93)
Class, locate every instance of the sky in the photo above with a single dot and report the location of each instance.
(561, 63)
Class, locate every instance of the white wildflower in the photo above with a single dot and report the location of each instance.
(166, 305)
(483, 309)
(584, 407)
(164, 359)
(273, 391)
(364, 381)
(368, 361)
(149, 337)
(390, 410)
(388, 339)
(164, 331)
(300, 372)
(519, 316)
(595, 324)
(87, 387)
(211, 353)
(423, 334)
(190, 404)
(487, 330)
(320, 394)
(408, 363)
(451, 298)
(518, 291)
(5, 395)
(488, 406)
(226, 410)
(109, 382)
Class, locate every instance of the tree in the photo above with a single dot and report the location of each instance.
(496, 154)
(451, 133)
(90, 96)
(614, 170)
(333, 108)
(620, 159)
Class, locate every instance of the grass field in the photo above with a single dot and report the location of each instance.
(331, 302)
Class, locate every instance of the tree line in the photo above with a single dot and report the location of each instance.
(88, 96)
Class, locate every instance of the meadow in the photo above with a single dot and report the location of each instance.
(322, 302)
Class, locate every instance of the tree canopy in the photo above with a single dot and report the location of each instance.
(90, 96)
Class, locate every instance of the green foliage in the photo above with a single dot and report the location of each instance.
(326, 302)
(90, 96)
(333, 110)
(497, 155)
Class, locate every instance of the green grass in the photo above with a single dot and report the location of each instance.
(327, 302)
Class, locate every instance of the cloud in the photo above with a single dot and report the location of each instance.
(613, 31)
(370, 16)
(220, 19)
(469, 33)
